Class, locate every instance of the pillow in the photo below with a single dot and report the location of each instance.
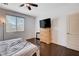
(16, 48)
(3, 48)
(13, 42)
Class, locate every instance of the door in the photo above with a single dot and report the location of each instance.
(73, 32)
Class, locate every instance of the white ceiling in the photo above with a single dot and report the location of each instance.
(41, 9)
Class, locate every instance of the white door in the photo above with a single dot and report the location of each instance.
(73, 32)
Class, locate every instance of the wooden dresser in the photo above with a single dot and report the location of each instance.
(45, 35)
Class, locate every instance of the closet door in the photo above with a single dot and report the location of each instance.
(73, 31)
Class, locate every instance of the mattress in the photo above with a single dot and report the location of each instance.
(17, 47)
(28, 50)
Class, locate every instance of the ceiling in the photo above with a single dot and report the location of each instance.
(41, 9)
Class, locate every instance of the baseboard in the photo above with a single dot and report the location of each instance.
(44, 42)
(30, 38)
(65, 47)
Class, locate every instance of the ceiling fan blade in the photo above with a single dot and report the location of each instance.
(32, 4)
(29, 7)
(5, 3)
(22, 5)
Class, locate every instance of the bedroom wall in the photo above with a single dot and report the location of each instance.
(59, 26)
(29, 26)
(59, 23)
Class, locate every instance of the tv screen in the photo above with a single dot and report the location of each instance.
(46, 23)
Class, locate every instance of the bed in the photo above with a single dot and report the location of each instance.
(17, 47)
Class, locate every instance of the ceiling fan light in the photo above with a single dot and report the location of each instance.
(27, 5)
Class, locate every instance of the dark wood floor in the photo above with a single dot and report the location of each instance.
(55, 50)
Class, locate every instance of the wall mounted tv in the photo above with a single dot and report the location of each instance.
(46, 23)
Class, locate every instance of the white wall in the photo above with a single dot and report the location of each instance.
(59, 22)
(37, 25)
(60, 27)
(30, 27)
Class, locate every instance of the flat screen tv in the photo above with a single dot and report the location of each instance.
(46, 23)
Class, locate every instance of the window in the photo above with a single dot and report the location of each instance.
(20, 24)
(14, 23)
(10, 23)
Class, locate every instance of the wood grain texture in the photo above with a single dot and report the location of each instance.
(45, 35)
(56, 50)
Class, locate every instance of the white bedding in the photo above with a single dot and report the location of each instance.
(14, 49)
(28, 50)
(17, 47)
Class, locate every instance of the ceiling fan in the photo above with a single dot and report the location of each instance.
(5, 3)
(28, 5)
